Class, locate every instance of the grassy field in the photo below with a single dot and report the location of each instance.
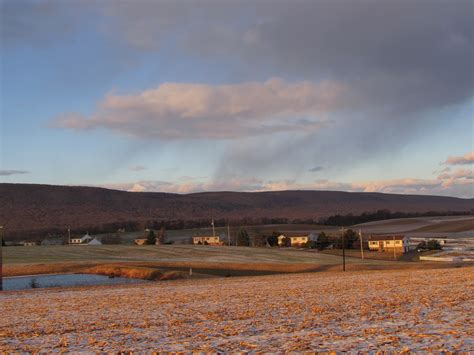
(385, 311)
(45, 259)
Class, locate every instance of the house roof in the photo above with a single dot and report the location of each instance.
(86, 237)
(295, 236)
(95, 241)
(386, 237)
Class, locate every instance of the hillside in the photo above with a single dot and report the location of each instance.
(28, 208)
(452, 226)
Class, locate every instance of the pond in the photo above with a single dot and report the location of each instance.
(63, 280)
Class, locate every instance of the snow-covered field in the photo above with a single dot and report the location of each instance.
(425, 227)
(419, 310)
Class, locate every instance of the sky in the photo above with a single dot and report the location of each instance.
(191, 96)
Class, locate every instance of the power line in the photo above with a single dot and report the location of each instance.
(343, 251)
(1, 258)
(361, 247)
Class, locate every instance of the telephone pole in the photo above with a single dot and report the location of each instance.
(228, 234)
(1, 258)
(361, 247)
(343, 251)
(394, 251)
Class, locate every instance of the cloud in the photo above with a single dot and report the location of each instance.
(137, 168)
(448, 182)
(460, 184)
(13, 172)
(193, 111)
(316, 169)
(467, 158)
(400, 62)
(40, 23)
(145, 25)
(403, 57)
(190, 186)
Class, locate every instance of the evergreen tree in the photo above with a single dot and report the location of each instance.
(243, 238)
(151, 238)
(273, 239)
(350, 237)
(323, 241)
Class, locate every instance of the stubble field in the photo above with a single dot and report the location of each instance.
(418, 310)
(69, 258)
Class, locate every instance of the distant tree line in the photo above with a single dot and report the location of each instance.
(178, 224)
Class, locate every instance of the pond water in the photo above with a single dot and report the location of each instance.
(63, 280)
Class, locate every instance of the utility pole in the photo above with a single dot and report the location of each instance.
(69, 235)
(1, 258)
(228, 234)
(343, 251)
(213, 229)
(394, 251)
(361, 247)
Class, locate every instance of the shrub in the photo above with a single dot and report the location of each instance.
(273, 239)
(323, 241)
(349, 238)
(431, 244)
(151, 238)
(243, 238)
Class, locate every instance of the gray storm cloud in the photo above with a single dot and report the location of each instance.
(410, 56)
(6, 172)
(403, 56)
(402, 60)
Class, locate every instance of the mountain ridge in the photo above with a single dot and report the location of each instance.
(38, 207)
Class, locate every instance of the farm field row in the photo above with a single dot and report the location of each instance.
(44, 259)
(109, 253)
(404, 310)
